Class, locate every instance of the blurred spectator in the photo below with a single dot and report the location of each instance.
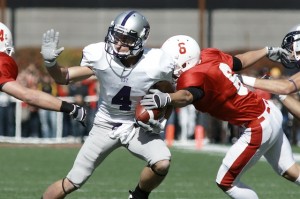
(78, 91)
(47, 118)
(29, 78)
(63, 91)
(187, 122)
(92, 85)
(6, 115)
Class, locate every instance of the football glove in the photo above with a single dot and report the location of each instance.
(156, 99)
(49, 49)
(154, 126)
(275, 53)
(79, 114)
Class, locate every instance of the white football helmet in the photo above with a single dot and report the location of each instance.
(291, 42)
(6, 43)
(184, 50)
(132, 30)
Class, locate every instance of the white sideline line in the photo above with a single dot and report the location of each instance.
(215, 148)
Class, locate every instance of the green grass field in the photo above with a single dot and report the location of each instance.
(26, 171)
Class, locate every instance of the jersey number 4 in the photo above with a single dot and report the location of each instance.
(122, 98)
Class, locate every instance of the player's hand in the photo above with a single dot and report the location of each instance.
(276, 53)
(154, 126)
(156, 99)
(79, 114)
(49, 49)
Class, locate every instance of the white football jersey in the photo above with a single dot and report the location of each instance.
(120, 87)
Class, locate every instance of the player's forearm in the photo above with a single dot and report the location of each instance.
(59, 74)
(42, 100)
(249, 58)
(293, 105)
(181, 98)
(275, 86)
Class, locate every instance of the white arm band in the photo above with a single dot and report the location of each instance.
(250, 81)
(282, 97)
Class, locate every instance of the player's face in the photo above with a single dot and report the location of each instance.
(123, 42)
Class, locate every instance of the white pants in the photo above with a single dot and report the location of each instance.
(261, 137)
(146, 146)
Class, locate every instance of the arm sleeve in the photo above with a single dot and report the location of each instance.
(237, 64)
(196, 92)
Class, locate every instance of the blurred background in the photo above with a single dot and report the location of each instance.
(230, 25)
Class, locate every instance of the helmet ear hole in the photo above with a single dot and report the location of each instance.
(183, 65)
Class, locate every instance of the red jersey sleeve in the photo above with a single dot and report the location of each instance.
(213, 55)
(209, 57)
(8, 68)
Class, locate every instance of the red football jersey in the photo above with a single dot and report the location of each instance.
(8, 68)
(225, 97)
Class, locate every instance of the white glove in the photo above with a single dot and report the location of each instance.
(79, 114)
(275, 53)
(154, 126)
(156, 99)
(49, 49)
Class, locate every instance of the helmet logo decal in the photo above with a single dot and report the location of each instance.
(182, 48)
(127, 17)
(1, 35)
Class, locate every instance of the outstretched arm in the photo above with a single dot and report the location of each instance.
(251, 57)
(276, 86)
(157, 99)
(43, 100)
(273, 53)
(61, 75)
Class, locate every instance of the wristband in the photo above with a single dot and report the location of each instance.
(295, 85)
(282, 97)
(50, 64)
(268, 48)
(250, 81)
(67, 107)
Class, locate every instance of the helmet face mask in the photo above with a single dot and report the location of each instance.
(130, 29)
(6, 43)
(185, 52)
(291, 43)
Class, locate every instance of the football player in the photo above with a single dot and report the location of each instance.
(125, 70)
(207, 81)
(284, 87)
(9, 85)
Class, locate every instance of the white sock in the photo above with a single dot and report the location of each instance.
(241, 191)
(298, 180)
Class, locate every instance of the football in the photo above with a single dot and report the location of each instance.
(144, 115)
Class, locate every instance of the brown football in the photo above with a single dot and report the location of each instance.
(144, 115)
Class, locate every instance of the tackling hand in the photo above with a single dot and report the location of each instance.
(275, 53)
(156, 99)
(49, 49)
(79, 114)
(155, 126)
